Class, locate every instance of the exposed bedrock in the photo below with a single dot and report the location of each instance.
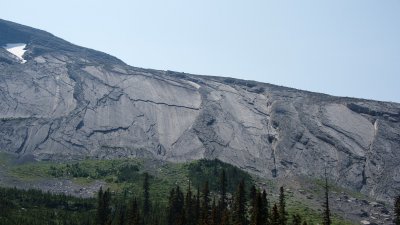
(68, 102)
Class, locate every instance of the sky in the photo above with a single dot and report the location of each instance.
(339, 47)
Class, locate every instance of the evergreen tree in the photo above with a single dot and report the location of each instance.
(176, 212)
(253, 195)
(254, 210)
(397, 210)
(326, 215)
(214, 220)
(103, 207)
(107, 205)
(305, 223)
(225, 218)
(224, 215)
(156, 221)
(296, 220)
(265, 208)
(158, 214)
(171, 207)
(282, 207)
(197, 207)
(223, 199)
(239, 206)
(180, 207)
(275, 217)
(146, 196)
(120, 215)
(205, 207)
(257, 213)
(134, 214)
(189, 207)
(100, 208)
(255, 207)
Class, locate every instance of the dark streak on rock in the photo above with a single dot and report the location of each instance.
(23, 142)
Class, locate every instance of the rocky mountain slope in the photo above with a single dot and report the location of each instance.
(68, 102)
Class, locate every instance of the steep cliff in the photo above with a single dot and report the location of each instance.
(68, 102)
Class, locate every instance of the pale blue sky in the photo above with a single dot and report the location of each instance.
(339, 47)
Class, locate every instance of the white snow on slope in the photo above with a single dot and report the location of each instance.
(17, 49)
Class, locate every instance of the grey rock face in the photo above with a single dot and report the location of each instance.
(68, 102)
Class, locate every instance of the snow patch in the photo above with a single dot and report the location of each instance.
(17, 49)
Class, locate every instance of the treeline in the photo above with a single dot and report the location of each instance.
(199, 207)
(36, 207)
(196, 205)
(123, 172)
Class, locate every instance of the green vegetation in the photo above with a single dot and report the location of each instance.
(202, 170)
(128, 175)
(312, 216)
(112, 170)
(35, 207)
(142, 191)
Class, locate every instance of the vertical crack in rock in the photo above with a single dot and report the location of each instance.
(78, 89)
(23, 142)
(161, 150)
(364, 177)
(151, 128)
(49, 131)
(274, 170)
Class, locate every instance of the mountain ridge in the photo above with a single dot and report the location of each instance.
(68, 102)
(5, 24)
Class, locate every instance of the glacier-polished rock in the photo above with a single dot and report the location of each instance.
(68, 102)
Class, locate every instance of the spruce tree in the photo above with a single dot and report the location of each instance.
(326, 215)
(223, 199)
(296, 219)
(171, 207)
(107, 205)
(214, 220)
(397, 210)
(189, 207)
(253, 205)
(253, 195)
(180, 207)
(265, 208)
(134, 214)
(120, 217)
(176, 212)
(103, 214)
(155, 221)
(100, 208)
(259, 212)
(226, 218)
(146, 196)
(282, 207)
(239, 205)
(275, 217)
(197, 207)
(205, 207)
